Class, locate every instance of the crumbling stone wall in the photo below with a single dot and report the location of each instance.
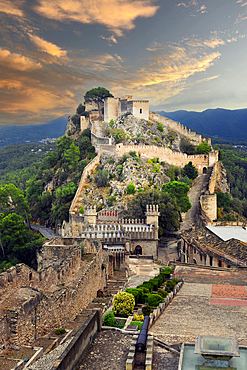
(38, 303)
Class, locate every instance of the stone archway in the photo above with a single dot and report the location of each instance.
(138, 250)
(205, 170)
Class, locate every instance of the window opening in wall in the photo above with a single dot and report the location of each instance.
(200, 257)
(205, 170)
(30, 276)
(211, 261)
(219, 263)
(140, 111)
(205, 157)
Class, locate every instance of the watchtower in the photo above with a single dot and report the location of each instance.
(90, 214)
(152, 215)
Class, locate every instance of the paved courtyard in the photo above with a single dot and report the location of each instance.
(211, 302)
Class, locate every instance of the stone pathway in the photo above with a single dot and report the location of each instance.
(189, 217)
(194, 310)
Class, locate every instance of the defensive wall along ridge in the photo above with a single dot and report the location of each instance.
(201, 161)
(181, 129)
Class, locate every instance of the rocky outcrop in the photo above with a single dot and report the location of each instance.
(221, 179)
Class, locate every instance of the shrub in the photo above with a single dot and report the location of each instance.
(111, 160)
(137, 293)
(149, 161)
(156, 168)
(123, 159)
(60, 331)
(143, 288)
(132, 153)
(137, 323)
(101, 177)
(170, 284)
(146, 310)
(147, 285)
(109, 319)
(123, 303)
(155, 283)
(162, 293)
(154, 300)
(131, 189)
(160, 127)
(138, 317)
(111, 123)
(81, 210)
(176, 281)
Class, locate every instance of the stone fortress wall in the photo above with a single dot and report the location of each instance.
(191, 135)
(201, 161)
(34, 302)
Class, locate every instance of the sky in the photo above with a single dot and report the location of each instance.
(179, 54)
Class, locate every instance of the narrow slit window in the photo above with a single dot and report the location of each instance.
(140, 111)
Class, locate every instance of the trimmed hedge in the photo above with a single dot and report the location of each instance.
(154, 300)
(137, 293)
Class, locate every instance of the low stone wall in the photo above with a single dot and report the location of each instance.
(74, 352)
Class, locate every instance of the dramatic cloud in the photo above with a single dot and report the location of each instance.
(11, 8)
(17, 61)
(48, 47)
(116, 15)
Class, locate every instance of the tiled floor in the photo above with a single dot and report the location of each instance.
(229, 291)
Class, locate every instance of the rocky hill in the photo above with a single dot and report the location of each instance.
(131, 130)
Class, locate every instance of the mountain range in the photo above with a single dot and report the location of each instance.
(220, 123)
(12, 135)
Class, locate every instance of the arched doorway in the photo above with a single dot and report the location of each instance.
(194, 260)
(138, 250)
(205, 170)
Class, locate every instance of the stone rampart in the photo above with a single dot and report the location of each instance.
(209, 205)
(213, 178)
(201, 161)
(75, 205)
(183, 130)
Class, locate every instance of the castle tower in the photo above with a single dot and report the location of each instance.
(152, 215)
(90, 215)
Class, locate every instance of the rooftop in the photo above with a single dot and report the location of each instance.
(229, 232)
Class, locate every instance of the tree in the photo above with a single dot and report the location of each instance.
(80, 109)
(63, 144)
(186, 146)
(179, 191)
(97, 95)
(169, 211)
(203, 148)
(190, 171)
(72, 155)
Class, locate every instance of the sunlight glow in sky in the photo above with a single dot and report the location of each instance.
(189, 54)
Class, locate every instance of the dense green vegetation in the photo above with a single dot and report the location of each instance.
(18, 163)
(235, 162)
(17, 243)
(62, 169)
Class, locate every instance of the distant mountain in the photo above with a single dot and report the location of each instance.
(12, 135)
(222, 123)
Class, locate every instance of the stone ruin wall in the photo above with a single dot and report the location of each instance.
(58, 297)
(191, 135)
